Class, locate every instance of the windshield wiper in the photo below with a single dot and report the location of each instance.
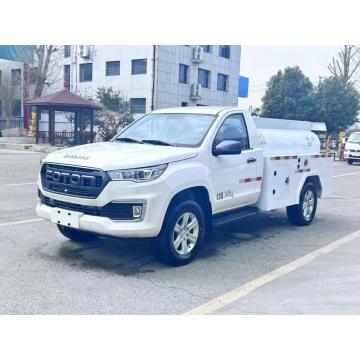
(130, 140)
(156, 142)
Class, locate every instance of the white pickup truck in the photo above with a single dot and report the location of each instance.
(175, 173)
(352, 148)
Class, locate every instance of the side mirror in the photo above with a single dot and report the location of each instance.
(227, 147)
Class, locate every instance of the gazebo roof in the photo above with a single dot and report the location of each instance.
(64, 99)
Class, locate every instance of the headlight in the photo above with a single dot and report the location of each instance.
(138, 175)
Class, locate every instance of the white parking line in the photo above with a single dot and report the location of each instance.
(19, 184)
(355, 173)
(251, 286)
(20, 222)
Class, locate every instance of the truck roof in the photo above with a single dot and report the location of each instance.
(209, 110)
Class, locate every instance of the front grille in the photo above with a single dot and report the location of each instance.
(112, 210)
(72, 180)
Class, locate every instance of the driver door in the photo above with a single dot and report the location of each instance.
(234, 176)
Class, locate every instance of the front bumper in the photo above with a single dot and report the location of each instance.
(351, 155)
(153, 193)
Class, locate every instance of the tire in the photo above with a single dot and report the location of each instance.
(349, 162)
(77, 235)
(302, 214)
(178, 244)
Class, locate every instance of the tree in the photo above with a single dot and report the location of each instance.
(345, 66)
(336, 104)
(43, 67)
(288, 95)
(116, 113)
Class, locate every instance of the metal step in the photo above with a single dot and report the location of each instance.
(232, 215)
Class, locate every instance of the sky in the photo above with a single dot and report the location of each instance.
(259, 63)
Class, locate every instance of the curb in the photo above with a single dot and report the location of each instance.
(31, 147)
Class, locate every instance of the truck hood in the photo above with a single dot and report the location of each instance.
(352, 146)
(116, 155)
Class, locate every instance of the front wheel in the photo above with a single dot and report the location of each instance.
(182, 234)
(303, 213)
(77, 235)
(349, 162)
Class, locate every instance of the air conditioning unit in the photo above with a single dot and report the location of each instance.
(84, 51)
(198, 55)
(195, 91)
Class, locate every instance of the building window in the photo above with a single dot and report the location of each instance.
(222, 82)
(67, 51)
(138, 105)
(16, 108)
(85, 72)
(206, 48)
(204, 78)
(15, 76)
(183, 73)
(224, 51)
(138, 66)
(112, 68)
(184, 104)
(67, 76)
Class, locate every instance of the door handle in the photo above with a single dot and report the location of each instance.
(250, 160)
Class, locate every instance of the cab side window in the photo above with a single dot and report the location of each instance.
(233, 128)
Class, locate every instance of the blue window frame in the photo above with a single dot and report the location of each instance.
(183, 73)
(206, 48)
(85, 72)
(204, 78)
(112, 68)
(222, 82)
(138, 105)
(67, 51)
(138, 66)
(16, 108)
(67, 76)
(224, 51)
(15, 76)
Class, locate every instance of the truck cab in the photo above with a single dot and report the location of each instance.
(175, 173)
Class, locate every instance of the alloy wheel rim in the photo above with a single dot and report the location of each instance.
(308, 205)
(185, 233)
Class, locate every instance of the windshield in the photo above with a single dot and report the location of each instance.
(354, 138)
(186, 130)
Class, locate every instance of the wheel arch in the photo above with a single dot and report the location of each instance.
(200, 194)
(315, 180)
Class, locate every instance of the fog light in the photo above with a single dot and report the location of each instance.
(137, 211)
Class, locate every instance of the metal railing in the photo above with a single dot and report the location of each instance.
(65, 137)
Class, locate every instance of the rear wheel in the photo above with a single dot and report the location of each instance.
(77, 235)
(182, 234)
(303, 213)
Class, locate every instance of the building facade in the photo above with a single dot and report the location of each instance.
(11, 94)
(158, 76)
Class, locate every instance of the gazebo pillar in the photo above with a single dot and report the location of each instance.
(38, 116)
(91, 126)
(76, 127)
(52, 127)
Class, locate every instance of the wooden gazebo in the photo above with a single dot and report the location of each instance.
(66, 101)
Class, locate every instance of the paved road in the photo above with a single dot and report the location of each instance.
(41, 272)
